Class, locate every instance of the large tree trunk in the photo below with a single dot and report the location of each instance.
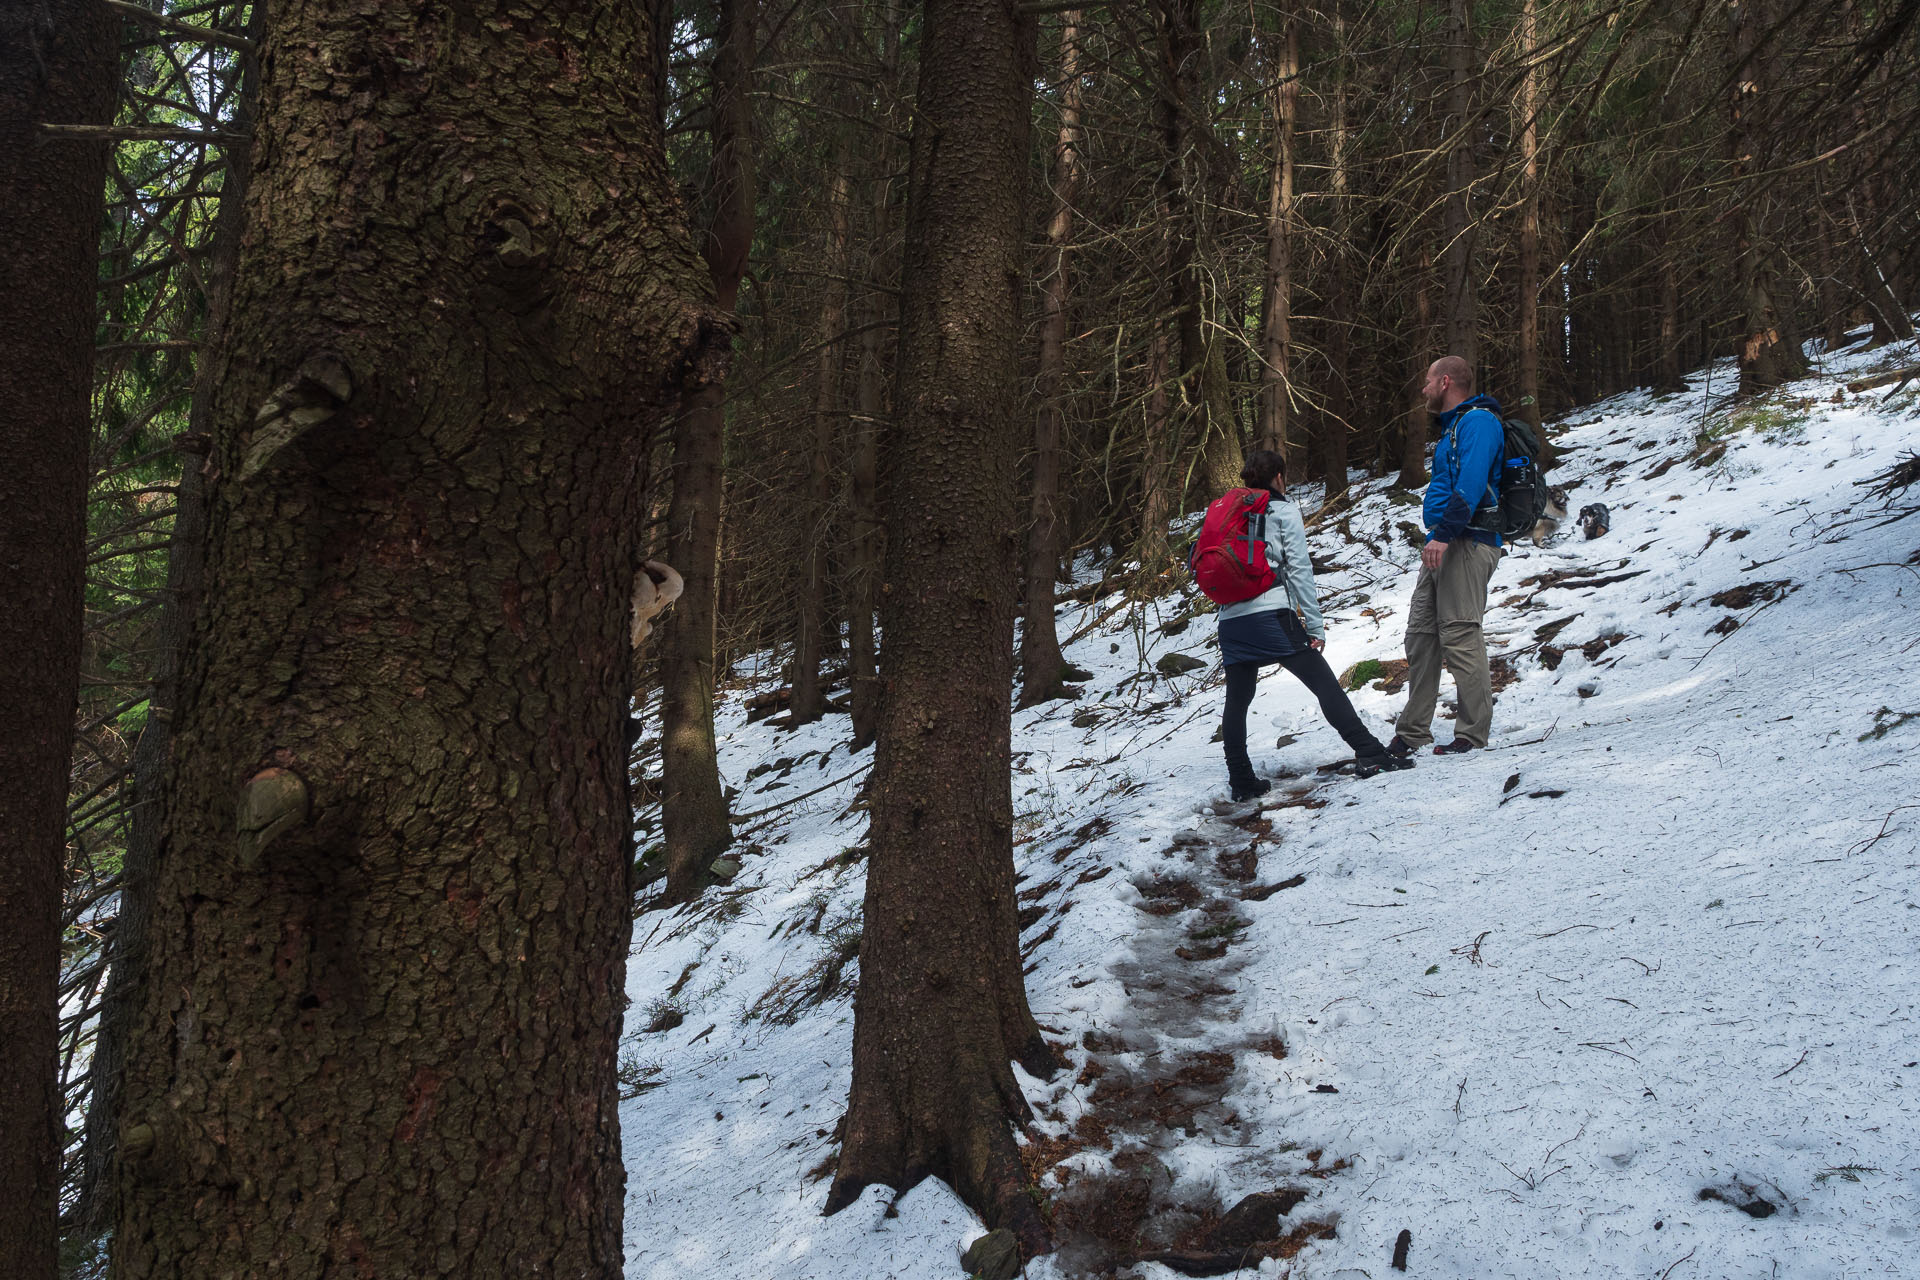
(1277, 331)
(1041, 663)
(1463, 301)
(97, 1206)
(1767, 351)
(57, 65)
(810, 605)
(694, 824)
(941, 1011)
(390, 917)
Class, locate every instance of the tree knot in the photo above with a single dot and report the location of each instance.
(312, 396)
(272, 801)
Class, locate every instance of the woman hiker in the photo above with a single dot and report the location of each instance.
(1283, 625)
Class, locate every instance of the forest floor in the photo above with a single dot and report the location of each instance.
(1631, 993)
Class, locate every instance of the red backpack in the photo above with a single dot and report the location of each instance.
(1229, 561)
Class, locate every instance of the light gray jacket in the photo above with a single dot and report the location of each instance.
(1285, 534)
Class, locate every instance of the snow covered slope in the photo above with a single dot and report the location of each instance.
(1631, 993)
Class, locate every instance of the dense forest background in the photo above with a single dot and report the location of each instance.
(1241, 225)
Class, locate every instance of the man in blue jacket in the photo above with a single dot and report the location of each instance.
(1450, 596)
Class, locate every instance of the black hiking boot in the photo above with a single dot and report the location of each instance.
(1458, 747)
(1252, 790)
(1385, 762)
(1400, 748)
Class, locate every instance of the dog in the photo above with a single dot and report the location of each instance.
(1550, 520)
(654, 588)
(1595, 519)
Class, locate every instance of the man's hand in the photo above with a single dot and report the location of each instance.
(1431, 553)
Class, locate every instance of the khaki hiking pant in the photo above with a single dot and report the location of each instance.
(1443, 624)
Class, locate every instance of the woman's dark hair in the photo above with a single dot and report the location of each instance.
(1261, 467)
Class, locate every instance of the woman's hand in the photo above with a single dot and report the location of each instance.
(1317, 644)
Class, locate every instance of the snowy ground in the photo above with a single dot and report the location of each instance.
(1527, 1004)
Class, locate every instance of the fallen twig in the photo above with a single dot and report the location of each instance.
(793, 800)
(1796, 1062)
(1883, 833)
(1689, 1253)
(1471, 950)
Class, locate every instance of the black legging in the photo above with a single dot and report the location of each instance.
(1311, 669)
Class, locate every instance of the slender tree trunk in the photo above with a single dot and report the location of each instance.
(1336, 423)
(1891, 322)
(1671, 376)
(869, 536)
(1041, 663)
(390, 920)
(870, 411)
(1529, 282)
(1277, 332)
(1463, 302)
(810, 607)
(1205, 405)
(941, 1011)
(1413, 438)
(97, 1206)
(1767, 352)
(695, 827)
(57, 65)
(1158, 478)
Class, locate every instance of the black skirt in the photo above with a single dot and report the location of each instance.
(1264, 637)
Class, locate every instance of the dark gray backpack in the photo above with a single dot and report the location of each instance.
(1517, 487)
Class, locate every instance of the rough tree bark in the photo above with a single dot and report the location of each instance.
(695, 827)
(390, 913)
(1041, 663)
(808, 701)
(1277, 332)
(1463, 301)
(57, 65)
(941, 1011)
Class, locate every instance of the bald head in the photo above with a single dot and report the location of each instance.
(1449, 381)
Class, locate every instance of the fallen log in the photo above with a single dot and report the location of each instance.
(1882, 379)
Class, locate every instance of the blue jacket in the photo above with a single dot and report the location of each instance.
(1472, 440)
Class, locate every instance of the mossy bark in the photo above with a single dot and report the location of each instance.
(390, 917)
(57, 65)
(941, 1011)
